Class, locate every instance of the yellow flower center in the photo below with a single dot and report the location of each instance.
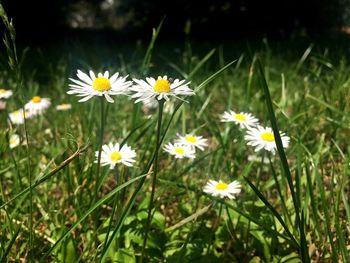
(268, 137)
(221, 186)
(101, 84)
(179, 150)
(13, 141)
(191, 139)
(162, 86)
(116, 156)
(36, 99)
(240, 117)
(2, 91)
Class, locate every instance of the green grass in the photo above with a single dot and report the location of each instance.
(54, 208)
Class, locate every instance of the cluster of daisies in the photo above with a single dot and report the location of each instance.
(36, 106)
(148, 91)
(185, 146)
(89, 85)
(261, 138)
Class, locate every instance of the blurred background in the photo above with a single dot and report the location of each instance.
(42, 21)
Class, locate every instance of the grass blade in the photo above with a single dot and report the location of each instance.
(96, 205)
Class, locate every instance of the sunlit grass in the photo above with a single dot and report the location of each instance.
(293, 203)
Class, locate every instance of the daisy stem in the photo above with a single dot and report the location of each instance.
(213, 230)
(154, 179)
(100, 141)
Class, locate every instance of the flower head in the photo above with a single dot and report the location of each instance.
(192, 141)
(89, 86)
(63, 107)
(14, 140)
(160, 88)
(37, 105)
(113, 154)
(17, 117)
(180, 151)
(222, 189)
(245, 120)
(5, 94)
(263, 138)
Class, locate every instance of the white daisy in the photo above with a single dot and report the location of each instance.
(89, 86)
(245, 120)
(17, 117)
(221, 189)
(14, 141)
(180, 151)
(113, 154)
(63, 107)
(192, 141)
(37, 105)
(263, 138)
(5, 94)
(162, 88)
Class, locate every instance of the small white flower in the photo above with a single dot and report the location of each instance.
(37, 105)
(192, 141)
(159, 89)
(89, 86)
(263, 138)
(5, 94)
(113, 154)
(63, 107)
(245, 120)
(180, 151)
(222, 190)
(17, 117)
(14, 141)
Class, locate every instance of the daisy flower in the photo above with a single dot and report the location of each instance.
(5, 94)
(263, 138)
(113, 154)
(192, 141)
(245, 120)
(14, 141)
(180, 151)
(63, 107)
(221, 189)
(17, 117)
(37, 105)
(88, 86)
(162, 88)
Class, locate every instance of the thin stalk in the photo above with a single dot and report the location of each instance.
(30, 184)
(154, 179)
(215, 225)
(116, 205)
(279, 190)
(100, 143)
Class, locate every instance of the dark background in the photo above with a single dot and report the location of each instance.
(43, 21)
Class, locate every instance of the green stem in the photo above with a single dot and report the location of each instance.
(116, 205)
(279, 191)
(30, 184)
(102, 128)
(154, 179)
(214, 227)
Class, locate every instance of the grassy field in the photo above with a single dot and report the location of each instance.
(57, 205)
